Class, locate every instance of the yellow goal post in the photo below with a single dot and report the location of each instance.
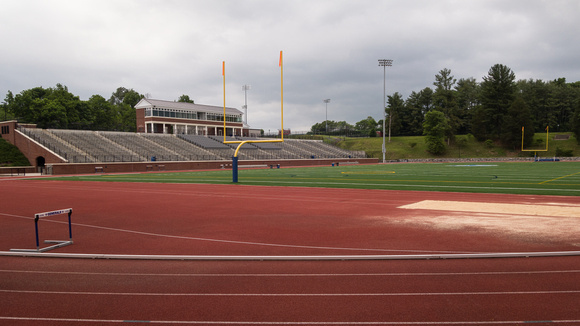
(536, 150)
(242, 142)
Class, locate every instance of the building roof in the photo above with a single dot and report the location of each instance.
(151, 103)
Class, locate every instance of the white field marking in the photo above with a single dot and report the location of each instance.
(207, 322)
(407, 185)
(213, 194)
(294, 274)
(496, 208)
(240, 242)
(401, 294)
(213, 181)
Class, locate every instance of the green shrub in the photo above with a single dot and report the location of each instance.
(563, 152)
(489, 143)
(435, 145)
(11, 156)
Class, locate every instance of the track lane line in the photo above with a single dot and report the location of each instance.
(402, 294)
(295, 275)
(208, 322)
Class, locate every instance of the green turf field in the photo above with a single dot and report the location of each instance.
(542, 178)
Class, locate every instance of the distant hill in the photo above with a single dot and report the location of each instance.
(465, 146)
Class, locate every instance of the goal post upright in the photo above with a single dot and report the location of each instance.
(242, 142)
(536, 150)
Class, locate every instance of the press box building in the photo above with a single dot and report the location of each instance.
(167, 117)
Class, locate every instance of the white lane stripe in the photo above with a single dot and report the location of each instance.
(293, 258)
(207, 322)
(402, 294)
(294, 275)
(407, 185)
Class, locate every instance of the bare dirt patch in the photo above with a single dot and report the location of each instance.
(551, 223)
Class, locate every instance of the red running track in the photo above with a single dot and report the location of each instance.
(177, 219)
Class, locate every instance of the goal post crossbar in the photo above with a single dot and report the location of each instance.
(536, 150)
(242, 142)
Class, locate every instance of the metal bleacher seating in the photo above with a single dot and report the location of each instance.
(78, 146)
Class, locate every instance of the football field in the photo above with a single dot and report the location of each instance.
(545, 178)
(541, 178)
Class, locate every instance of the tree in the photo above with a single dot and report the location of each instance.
(7, 105)
(334, 128)
(132, 98)
(425, 100)
(536, 94)
(367, 126)
(576, 122)
(185, 99)
(71, 104)
(467, 100)
(395, 110)
(434, 128)
(124, 95)
(48, 108)
(444, 100)
(444, 81)
(103, 113)
(518, 116)
(414, 116)
(127, 118)
(497, 93)
(124, 101)
(562, 100)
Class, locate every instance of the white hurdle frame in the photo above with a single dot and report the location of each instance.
(57, 243)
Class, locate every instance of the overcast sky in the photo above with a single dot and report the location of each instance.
(331, 47)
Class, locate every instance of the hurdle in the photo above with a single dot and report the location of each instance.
(57, 243)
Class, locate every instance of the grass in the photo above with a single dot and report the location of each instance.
(413, 147)
(10, 155)
(541, 178)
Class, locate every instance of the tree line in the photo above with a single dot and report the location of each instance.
(494, 109)
(57, 108)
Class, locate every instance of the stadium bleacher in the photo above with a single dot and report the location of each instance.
(78, 146)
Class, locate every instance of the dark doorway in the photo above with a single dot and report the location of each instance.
(40, 164)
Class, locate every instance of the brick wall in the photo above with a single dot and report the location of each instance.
(33, 150)
(140, 120)
(30, 148)
(88, 168)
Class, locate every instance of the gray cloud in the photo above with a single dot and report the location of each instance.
(169, 48)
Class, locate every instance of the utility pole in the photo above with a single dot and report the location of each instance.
(326, 101)
(385, 63)
(246, 88)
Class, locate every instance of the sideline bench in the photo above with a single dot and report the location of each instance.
(17, 169)
(253, 166)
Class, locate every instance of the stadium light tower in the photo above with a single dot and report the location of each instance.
(385, 63)
(326, 101)
(246, 88)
